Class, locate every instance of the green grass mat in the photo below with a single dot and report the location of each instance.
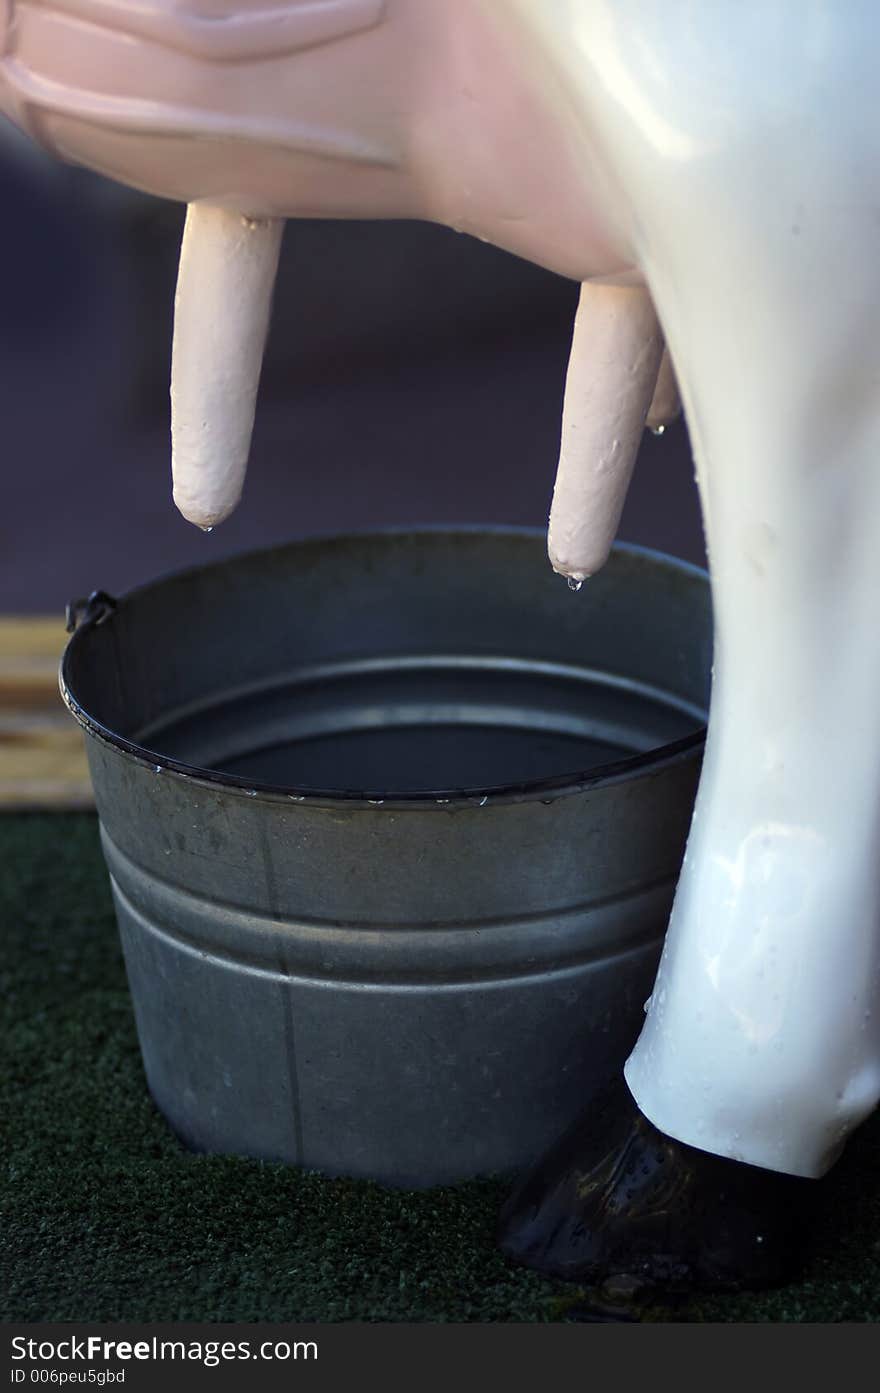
(106, 1217)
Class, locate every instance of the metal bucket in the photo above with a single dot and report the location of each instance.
(393, 824)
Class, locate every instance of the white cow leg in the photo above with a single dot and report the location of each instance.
(761, 1043)
(761, 1048)
(762, 1040)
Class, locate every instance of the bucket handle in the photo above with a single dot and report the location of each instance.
(91, 611)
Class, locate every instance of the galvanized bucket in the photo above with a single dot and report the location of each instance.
(393, 824)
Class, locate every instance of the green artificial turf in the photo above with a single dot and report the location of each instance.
(106, 1217)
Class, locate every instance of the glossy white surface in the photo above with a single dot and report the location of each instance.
(745, 156)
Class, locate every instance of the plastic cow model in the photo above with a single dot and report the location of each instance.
(711, 174)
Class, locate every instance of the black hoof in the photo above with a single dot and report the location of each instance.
(616, 1197)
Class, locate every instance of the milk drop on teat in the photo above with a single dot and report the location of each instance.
(615, 358)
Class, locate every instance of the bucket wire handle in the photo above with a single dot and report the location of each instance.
(92, 611)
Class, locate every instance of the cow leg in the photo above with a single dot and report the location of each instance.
(762, 1039)
(761, 1048)
(761, 1042)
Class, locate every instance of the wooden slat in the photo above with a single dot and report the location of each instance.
(42, 757)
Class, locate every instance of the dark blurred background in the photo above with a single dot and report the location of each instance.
(412, 376)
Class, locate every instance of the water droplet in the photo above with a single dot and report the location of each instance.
(657, 430)
(376, 802)
(443, 800)
(157, 769)
(251, 792)
(573, 584)
(206, 529)
(297, 797)
(484, 800)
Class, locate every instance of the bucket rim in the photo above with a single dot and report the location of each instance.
(546, 790)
